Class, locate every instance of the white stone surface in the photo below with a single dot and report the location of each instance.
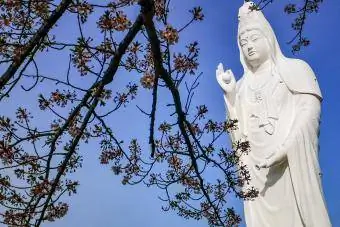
(277, 102)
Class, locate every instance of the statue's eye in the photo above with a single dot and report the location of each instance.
(254, 38)
(243, 43)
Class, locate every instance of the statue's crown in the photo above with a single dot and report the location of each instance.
(248, 14)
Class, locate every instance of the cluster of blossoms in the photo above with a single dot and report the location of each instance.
(135, 47)
(160, 9)
(107, 48)
(57, 97)
(114, 21)
(122, 98)
(6, 153)
(184, 63)
(23, 115)
(82, 56)
(113, 154)
(23, 16)
(56, 211)
(147, 80)
(41, 188)
(41, 8)
(197, 13)
(108, 155)
(164, 127)
(170, 35)
(83, 9)
(299, 22)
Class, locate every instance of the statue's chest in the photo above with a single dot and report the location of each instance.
(265, 107)
(267, 99)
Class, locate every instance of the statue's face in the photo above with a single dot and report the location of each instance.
(254, 47)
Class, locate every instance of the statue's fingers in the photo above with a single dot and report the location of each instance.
(262, 165)
(220, 68)
(219, 79)
(226, 77)
(274, 160)
(218, 75)
(270, 162)
(270, 155)
(231, 74)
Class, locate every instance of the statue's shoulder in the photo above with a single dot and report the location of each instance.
(301, 67)
(299, 77)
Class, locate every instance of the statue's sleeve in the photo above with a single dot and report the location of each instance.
(231, 114)
(299, 77)
(307, 116)
(302, 155)
(231, 102)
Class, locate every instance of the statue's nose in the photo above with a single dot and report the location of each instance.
(250, 49)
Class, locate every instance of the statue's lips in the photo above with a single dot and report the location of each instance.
(251, 53)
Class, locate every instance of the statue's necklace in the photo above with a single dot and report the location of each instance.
(257, 90)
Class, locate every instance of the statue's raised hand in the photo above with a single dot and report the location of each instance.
(226, 79)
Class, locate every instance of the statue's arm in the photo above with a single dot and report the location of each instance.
(230, 98)
(227, 82)
(229, 101)
(307, 101)
(308, 108)
(307, 116)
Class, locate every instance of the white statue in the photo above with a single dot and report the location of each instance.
(277, 103)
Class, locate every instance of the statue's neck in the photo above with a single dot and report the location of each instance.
(261, 76)
(263, 68)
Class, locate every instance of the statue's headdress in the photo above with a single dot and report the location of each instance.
(250, 17)
(248, 13)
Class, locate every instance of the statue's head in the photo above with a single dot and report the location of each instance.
(256, 39)
(254, 46)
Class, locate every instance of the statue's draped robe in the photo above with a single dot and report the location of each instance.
(273, 117)
(283, 113)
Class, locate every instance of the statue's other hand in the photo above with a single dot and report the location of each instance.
(274, 159)
(226, 79)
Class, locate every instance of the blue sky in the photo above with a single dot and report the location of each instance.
(102, 201)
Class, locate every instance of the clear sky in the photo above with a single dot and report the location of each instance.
(102, 201)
